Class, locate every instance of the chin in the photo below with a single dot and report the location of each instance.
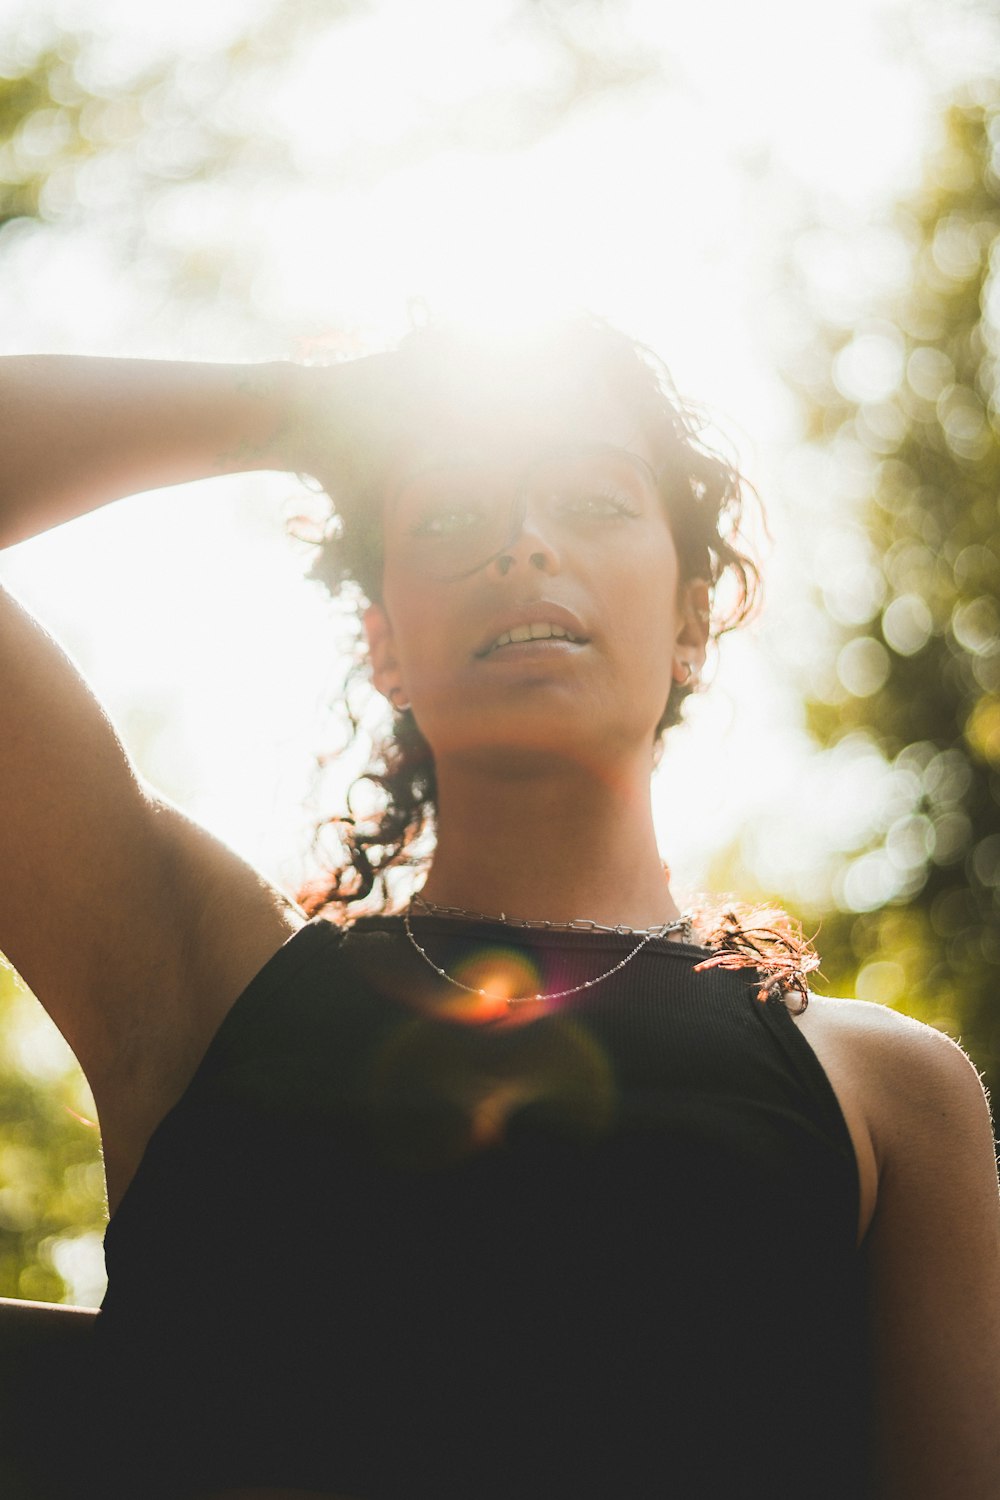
(513, 741)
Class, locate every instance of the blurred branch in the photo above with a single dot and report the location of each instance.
(83, 142)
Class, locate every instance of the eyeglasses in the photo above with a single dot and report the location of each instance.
(448, 520)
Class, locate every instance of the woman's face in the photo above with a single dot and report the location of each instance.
(550, 522)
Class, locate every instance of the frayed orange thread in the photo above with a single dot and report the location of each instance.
(780, 953)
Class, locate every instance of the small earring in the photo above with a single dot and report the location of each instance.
(399, 703)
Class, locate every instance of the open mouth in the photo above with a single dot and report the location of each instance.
(520, 635)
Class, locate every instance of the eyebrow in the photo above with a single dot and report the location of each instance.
(565, 450)
(614, 449)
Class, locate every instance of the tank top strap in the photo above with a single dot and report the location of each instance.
(253, 1007)
(780, 1026)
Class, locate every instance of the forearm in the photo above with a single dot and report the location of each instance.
(77, 432)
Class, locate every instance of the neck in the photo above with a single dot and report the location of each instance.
(549, 842)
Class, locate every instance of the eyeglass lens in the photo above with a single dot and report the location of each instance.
(451, 519)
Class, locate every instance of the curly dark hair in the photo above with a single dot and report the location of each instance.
(705, 498)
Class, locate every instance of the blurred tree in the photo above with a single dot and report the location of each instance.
(897, 380)
(52, 1205)
(166, 155)
(98, 133)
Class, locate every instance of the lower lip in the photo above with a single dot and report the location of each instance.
(533, 650)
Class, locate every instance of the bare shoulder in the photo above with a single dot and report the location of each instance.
(893, 1076)
(932, 1244)
(221, 921)
(898, 1069)
(233, 915)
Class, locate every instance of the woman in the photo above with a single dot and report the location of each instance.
(473, 1198)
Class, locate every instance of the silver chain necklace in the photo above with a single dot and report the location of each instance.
(579, 924)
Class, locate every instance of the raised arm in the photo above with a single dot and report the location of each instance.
(76, 431)
(133, 926)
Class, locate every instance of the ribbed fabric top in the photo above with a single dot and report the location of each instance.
(391, 1245)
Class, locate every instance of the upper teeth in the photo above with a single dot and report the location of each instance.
(537, 632)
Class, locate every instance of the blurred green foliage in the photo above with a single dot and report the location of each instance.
(897, 383)
(96, 134)
(52, 1207)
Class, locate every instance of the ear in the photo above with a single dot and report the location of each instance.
(694, 616)
(382, 652)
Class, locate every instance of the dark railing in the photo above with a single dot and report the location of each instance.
(41, 1347)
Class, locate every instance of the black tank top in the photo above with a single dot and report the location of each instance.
(391, 1246)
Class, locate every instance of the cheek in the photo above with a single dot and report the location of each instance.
(644, 602)
(645, 656)
(419, 632)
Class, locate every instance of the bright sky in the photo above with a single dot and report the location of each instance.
(667, 212)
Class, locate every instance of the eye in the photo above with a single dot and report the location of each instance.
(446, 521)
(599, 503)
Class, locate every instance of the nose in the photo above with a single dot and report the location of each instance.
(526, 546)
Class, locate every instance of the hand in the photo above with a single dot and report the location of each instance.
(351, 420)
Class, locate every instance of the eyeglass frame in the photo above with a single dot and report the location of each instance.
(518, 503)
